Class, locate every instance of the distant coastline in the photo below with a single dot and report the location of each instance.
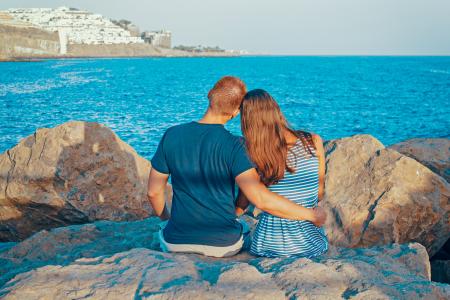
(42, 33)
(203, 55)
(165, 55)
(19, 44)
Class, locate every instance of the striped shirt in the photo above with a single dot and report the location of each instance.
(276, 236)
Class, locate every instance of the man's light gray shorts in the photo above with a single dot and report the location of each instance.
(213, 251)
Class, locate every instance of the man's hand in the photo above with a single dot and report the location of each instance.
(320, 216)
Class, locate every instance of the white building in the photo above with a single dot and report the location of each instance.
(162, 38)
(75, 26)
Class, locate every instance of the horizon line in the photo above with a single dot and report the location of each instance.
(349, 54)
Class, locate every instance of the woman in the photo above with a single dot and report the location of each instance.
(290, 163)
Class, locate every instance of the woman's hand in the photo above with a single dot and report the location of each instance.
(241, 204)
(319, 216)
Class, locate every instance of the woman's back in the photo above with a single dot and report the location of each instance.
(276, 236)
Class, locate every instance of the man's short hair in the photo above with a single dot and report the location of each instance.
(227, 94)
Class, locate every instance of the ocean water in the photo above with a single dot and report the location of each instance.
(391, 98)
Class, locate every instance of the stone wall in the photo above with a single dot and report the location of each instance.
(115, 50)
(133, 50)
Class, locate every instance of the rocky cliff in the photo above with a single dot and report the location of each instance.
(26, 42)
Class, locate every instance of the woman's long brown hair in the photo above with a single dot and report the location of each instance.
(264, 126)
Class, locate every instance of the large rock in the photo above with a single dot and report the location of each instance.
(378, 196)
(433, 153)
(74, 173)
(120, 260)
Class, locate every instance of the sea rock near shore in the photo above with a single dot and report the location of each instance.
(121, 260)
(378, 196)
(433, 153)
(74, 173)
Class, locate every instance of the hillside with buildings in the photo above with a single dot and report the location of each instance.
(70, 32)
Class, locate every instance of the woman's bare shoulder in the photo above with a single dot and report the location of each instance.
(316, 137)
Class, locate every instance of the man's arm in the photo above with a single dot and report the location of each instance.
(155, 193)
(321, 156)
(258, 194)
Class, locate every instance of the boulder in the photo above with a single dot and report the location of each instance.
(74, 173)
(433, 153)
(121, 260)
(377, 196)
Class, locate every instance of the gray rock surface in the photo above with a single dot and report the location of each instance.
(74, 173)
(378, 196)
(385, 272)
(431, 152)
(120, 260)
(143, 273)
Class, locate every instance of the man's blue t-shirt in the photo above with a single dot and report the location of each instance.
(203, 161)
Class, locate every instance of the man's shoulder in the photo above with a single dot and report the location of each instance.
(231, 140)
(177, 128)
(237, 139)
(220, 133)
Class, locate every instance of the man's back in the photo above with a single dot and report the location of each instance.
(203, 160)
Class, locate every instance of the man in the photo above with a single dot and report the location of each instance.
(205, 161)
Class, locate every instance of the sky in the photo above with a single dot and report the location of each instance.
(289, 27)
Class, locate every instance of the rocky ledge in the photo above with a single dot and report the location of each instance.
(121, 260)
(388, 213)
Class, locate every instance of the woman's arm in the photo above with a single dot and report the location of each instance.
(241, 204)
(321, 156)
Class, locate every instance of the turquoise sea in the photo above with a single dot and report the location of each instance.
(392, 98)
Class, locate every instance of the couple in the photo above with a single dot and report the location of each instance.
(279, 170)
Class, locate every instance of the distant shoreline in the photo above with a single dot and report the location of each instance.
(39, 59)
(44, 58)
(197, 55)
(203, 55)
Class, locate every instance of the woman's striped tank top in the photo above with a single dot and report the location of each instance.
(275, 236)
